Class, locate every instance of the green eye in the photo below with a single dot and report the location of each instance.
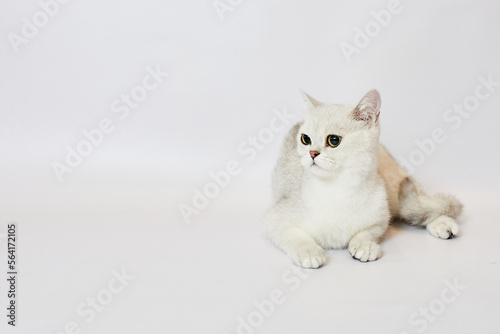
(333, 140)
(305, 139)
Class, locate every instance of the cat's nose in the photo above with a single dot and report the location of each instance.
(314, 154)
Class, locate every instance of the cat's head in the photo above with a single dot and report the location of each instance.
(334, 137)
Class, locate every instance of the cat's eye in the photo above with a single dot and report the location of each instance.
(305, 139)
(333, 140)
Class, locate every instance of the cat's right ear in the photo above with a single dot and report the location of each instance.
(368, 109)
(309, 101)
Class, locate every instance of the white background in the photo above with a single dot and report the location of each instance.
(119, 207)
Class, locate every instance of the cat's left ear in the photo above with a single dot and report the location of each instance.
(309, 101)
(368, 109)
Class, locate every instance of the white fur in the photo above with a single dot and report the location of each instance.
(345, 196)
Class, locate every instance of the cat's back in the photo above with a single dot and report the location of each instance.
(392, 174)
(288, 173)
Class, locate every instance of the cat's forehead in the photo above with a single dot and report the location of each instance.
(328, 117)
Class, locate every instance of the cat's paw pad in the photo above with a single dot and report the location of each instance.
(365, 250)
(309, 256)
(443, 227)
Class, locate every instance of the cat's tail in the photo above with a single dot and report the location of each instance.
(431, 211)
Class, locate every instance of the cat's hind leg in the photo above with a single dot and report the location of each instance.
(436, 213)
(294, 241)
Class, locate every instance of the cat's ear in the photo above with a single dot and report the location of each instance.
(309, 101)
(368, 109)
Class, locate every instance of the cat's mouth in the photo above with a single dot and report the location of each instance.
(314, 164)
(318, 170)
(320, 167)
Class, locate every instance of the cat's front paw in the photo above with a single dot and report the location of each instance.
(309, 256)
(443, 227)
(365, 250)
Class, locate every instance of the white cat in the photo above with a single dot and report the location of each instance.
(335, 186)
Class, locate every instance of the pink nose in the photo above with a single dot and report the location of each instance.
(314, 154)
